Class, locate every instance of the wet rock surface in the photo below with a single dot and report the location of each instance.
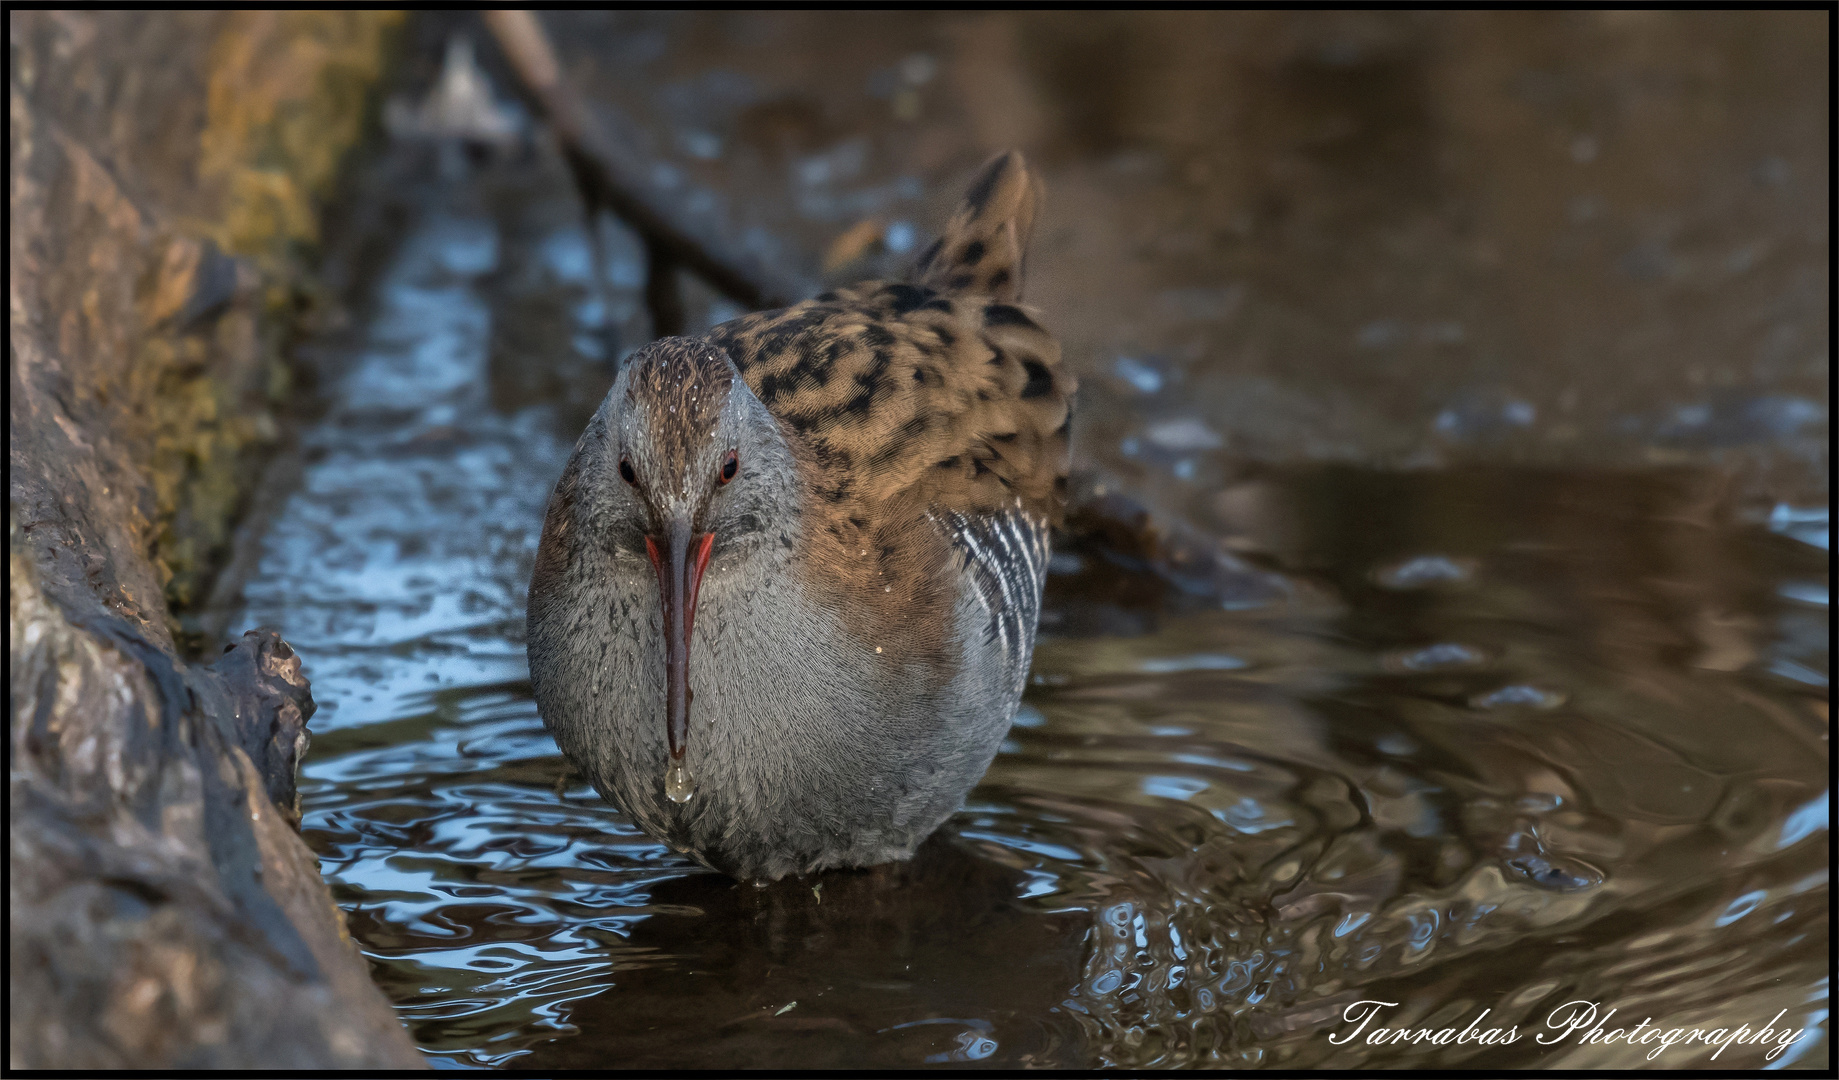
(163, 911)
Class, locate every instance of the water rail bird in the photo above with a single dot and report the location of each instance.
(788, 584)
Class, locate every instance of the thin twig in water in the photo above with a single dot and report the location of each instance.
(606, 174)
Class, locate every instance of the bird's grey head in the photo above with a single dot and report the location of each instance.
(682, 466)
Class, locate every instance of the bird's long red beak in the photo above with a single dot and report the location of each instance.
(679, 580)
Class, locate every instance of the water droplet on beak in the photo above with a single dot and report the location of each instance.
(679, 785)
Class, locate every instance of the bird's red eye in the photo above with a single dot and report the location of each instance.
(626, 473)
(731, 464)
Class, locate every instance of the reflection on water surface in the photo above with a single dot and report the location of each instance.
(1502, 739)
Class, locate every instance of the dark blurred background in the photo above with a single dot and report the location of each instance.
(1465, 379)
(1399, 238)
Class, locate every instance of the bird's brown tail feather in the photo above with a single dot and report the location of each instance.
(983, 246)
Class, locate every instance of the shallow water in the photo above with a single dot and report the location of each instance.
(1485, 738)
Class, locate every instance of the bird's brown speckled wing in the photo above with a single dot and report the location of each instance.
(943, 390)
(941, 398)
(900, 390)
